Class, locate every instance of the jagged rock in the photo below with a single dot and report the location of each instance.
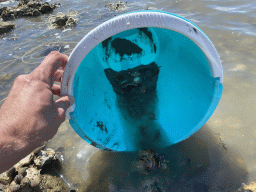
(2, 187)
(45, 8)
(117, 6)
(7, 16)
(25, 185)
(18, 179)
(62, 20)
(22, 171)
(71, 21)
(5, 179)
(25, 181)
(14, 186)
(33, 4)
(36, 12)
(10, 172)
(26, 175)
(28, 14)
(33, 175)
(24, 162)
(23, 2)
(45, 157)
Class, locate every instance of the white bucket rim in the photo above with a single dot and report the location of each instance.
(139, 19)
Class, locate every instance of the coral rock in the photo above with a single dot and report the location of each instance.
(18, 179)
(62, 20)
(22, 171)
(33, 175)
(14, 186)
(5, 179)
(45, 157)
(24, 162)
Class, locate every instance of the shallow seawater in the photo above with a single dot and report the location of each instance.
(222, 153)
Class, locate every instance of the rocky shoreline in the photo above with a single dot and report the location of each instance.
(32, 8)
(26, 8)
(38, 172)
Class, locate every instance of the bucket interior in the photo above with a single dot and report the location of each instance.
(119, 107)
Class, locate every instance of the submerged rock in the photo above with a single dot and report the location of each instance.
(149, 161)
(52, 184)
(5, 28)
(116, 6)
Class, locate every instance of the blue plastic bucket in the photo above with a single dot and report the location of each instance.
(144, 79)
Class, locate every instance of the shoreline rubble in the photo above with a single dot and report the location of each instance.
(36, 172)
(116, 6)
(61, 20)
(26, 8)
(5, 28)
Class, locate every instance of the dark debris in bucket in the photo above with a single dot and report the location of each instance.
(123, 46)
(134, 82)
(135, 87)
(102, 126)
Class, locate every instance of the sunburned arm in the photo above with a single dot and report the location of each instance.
(29, 116)
(12, 150)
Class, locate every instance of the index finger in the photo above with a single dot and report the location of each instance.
(49, 66)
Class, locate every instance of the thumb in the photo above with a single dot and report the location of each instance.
(62, 104)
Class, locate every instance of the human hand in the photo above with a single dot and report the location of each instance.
(29, 116)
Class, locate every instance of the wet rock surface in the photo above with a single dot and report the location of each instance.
(62, 21)
(116, 6)
(36, 172)
(6, 27)
(26, 8)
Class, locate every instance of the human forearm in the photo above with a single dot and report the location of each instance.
(12, 150)
(29, 116)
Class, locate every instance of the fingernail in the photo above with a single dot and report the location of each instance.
(71, 100)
